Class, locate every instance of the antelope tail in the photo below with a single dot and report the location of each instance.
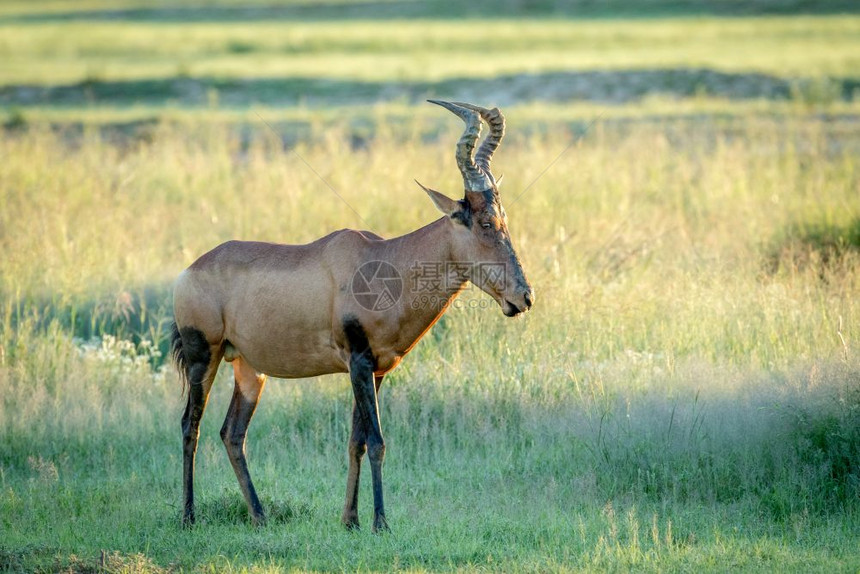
(178, 356)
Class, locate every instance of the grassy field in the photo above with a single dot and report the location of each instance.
(682, 185)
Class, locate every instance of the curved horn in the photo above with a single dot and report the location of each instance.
(474, 178)
(496, 121)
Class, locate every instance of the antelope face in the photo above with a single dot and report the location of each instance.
(483, 244)
(479, 220)
(496, 268)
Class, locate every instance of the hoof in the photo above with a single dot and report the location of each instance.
(380, 525)
(258, 521)
(350, 520)
(188, 521)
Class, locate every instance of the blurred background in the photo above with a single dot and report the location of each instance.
(124, 62)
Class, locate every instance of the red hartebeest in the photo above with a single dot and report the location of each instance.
(303, 310)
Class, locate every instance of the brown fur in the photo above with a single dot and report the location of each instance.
(281, 306)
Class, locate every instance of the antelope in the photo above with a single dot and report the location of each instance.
(296, 311)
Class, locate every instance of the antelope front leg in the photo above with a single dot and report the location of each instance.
(356, 449)
(377, 455)
(361, 367)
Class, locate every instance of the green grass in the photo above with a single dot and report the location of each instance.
(676, 399)
(685, 395)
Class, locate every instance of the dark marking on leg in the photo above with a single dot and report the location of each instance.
(376, 454)
(246, 396)
(198, 361)
(195, 348)
(357, 340)
(362, 365)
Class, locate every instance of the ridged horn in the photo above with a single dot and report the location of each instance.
(474, 178)
(496, 121)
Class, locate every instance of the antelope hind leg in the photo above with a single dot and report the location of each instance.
(246, 395)
(201, 365)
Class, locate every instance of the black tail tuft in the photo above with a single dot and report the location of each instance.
(178, 356)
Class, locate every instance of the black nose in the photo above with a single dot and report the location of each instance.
(528, 298)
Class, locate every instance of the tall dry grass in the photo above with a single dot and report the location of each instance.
(694, 337)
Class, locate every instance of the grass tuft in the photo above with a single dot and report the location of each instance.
(228, 508)
(823, 248)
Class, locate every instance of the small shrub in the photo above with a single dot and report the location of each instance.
(239, 47)
(15, 119)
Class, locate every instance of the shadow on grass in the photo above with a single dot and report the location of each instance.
(410, 9)
(607, 86)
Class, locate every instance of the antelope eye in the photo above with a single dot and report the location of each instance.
(486, 225)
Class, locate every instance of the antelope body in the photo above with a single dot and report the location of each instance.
(292, 311)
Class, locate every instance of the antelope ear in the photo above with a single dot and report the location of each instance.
(442, 202)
